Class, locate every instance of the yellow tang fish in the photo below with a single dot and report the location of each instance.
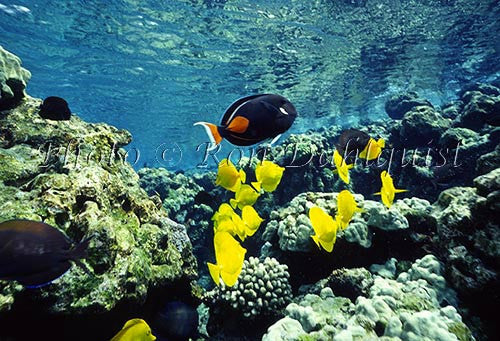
(388, 190)
(251, 219)
(373, 149)
(268, 175)
(342, 166)
(246, 195)
(325, 228)
(134, 330)
(229, 177)
(229, 256)
(226, 219)
(346, 207)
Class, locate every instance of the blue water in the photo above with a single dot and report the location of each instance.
(155, 68)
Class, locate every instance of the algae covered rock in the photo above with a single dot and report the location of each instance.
(13, 79)
(398, 105)
(421, 125)
(74, 176)
(480, 109)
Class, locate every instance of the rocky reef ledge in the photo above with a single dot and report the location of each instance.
(71, 175)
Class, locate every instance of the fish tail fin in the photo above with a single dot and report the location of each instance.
(381, 143)
(233, 202)
(80, 250)
(214, 270)
(243, 176)
(213, 133)
(256, 186)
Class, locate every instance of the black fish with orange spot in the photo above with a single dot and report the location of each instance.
(34, 253)
(253, 119)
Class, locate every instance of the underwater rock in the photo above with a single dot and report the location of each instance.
(488, 183)
(291, 227)
(479, 109)
(421, 125)
(398, 105)
(371, 236)
(13, 79)
(135, 246)
(452, 110)
(286, 329)
(349, 283)
(468, 242)
(179, 194)
(73, 175)
(410, 307)
(259, 295)
(489, 161)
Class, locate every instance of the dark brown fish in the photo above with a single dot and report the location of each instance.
(34, 253)
(55, 108)
(350, 141)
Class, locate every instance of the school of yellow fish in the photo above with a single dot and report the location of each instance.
(228, 224)
(325, 227)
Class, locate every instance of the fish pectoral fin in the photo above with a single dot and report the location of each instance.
(274, 140)
(213, 133)
(238, 125)
(400, 190)
(378, 193)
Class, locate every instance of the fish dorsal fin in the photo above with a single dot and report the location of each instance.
(131, 323)
(238, 125)
(229, 113)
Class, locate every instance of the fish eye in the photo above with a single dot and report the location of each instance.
(283, 111)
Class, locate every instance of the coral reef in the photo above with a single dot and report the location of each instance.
(291, 227)
(262, 289)
(402, 231)
(411, 307)
(13, 79)
(467, 241)
(252, 304)
(73, 175)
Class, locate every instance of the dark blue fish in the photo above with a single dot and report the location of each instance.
(176, 321)
(34, 253)
(55, 108)
(253, 119)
